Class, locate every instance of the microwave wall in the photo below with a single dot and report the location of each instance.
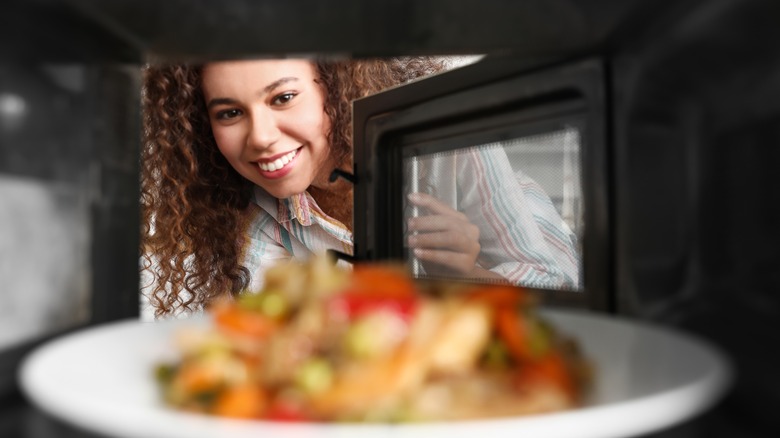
(693, 122)
(69, 137)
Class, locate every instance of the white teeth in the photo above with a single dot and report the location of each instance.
(278, 163)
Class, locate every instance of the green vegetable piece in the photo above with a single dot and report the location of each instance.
(205, 399)
(374, 335)
(273, 305)
(270, 303)
(496, 355)
(359, 342)
(538, 338)
(250, 301)
(164, 373)
(314, 376)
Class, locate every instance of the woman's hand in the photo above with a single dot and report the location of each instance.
(444, 239)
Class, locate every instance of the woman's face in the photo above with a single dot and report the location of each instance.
(269, 122)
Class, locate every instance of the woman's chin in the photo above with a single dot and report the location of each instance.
(284, 193)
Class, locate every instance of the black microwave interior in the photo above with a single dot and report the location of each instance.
(676, 104)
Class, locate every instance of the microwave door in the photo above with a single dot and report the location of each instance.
(494, 154)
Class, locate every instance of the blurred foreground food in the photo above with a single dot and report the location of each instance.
(319, 343)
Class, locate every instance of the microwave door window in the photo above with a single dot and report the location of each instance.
(506, 211)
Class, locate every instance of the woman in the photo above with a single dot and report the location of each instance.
(235, 172)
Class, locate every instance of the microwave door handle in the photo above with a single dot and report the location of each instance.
(414, 187)
(338, 173)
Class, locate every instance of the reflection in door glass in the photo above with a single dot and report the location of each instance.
(508, 211)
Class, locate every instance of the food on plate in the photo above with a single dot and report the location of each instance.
(321, 343)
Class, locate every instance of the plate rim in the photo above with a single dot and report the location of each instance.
(699, 396)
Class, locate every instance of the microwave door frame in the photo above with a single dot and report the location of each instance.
(474, 92)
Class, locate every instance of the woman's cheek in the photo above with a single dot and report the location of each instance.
(226, 141)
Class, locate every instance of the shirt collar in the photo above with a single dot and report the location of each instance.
(301, 208)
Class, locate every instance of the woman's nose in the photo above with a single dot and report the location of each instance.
(264, 131)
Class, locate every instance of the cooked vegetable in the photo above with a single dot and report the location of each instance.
(314, 376)
(241, 401)
(322, 344)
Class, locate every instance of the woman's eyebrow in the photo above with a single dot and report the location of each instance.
(270, 87)
(220, 101)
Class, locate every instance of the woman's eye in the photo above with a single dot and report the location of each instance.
(228, 114)
(283, 98)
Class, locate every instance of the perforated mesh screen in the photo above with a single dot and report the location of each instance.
(523, 198)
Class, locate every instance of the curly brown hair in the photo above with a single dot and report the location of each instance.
(194, 204)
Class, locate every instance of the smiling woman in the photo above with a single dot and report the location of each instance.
(235, 168)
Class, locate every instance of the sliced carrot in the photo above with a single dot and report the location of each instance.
(550, 369)
(239, 321)
(500, 296)
(382, 280)
(195, 378)
(244, 401)
(514, 332)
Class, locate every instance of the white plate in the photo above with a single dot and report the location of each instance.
(648, 378)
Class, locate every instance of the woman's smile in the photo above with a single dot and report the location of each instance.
(278, 166)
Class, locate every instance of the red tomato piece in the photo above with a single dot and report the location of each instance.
(286, 412)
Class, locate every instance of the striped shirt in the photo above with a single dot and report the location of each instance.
(296, 227)
(522, 236)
